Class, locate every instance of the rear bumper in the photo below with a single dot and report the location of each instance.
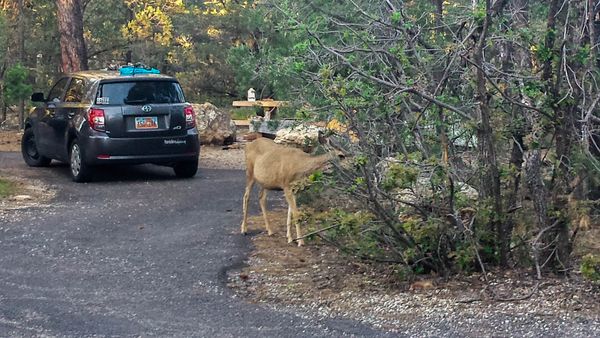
(101, 149)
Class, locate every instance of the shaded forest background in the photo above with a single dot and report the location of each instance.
(475, 121)
(191, 40)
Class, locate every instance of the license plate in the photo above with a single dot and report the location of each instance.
(146, 122)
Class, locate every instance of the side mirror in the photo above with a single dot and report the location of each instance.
(38, 97)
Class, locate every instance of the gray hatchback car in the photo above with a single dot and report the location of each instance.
(94, 118)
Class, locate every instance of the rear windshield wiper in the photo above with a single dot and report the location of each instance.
(135, 101)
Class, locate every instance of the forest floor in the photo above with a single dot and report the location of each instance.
(23, 193)
(318, 281)
(321, 281)
(10, 140)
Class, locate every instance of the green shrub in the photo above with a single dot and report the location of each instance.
(272, 125)
(245, 113)
(400, 176)
(590, 267)
(16, 87)
(355, 232)
(7, 188)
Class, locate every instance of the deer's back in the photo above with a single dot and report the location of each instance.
(277, 167)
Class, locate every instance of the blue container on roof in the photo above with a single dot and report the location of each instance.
(131, 70)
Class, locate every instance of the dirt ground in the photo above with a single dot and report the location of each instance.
(317, 280)
(27, 193)
(322, 282)
(10, 140)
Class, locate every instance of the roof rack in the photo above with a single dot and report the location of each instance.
(137, 69)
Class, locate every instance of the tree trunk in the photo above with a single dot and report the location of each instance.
(515, 56)
(568, 133)
(489, 173)
(129, 53)
(554, 246)
(21, 55)
(72, 44)
(439, 12)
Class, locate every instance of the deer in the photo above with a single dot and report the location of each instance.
(277, 167)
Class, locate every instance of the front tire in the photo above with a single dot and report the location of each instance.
(80, 171)
(186, 169)
(30, 152)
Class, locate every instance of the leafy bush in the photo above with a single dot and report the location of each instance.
(590, 267)
(245, 113)
(431, 244)
(16, 86)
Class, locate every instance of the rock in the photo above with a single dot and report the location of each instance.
(21, 198)
(269, 127)
(302, 136)
(214, 125)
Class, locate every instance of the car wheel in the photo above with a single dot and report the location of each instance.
(186, 169)
(80, 171)
(29, 151)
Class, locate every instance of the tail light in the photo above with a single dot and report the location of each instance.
(95, 118)
(190, 117)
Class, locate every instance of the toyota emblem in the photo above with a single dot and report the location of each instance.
(146, 108)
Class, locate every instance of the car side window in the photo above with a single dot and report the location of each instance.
(56, 93)
(75, 90)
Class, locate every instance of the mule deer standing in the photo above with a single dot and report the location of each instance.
(276, 167)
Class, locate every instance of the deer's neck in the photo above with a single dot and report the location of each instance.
(312, 164)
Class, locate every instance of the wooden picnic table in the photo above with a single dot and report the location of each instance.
(269, 106)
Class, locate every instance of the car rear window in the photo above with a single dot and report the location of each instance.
(139, 92)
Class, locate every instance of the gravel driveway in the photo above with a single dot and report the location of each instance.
(137, 253)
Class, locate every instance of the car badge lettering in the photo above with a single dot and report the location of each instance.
(146, 109)
(175, 141)
(103, 100)
(177, 128)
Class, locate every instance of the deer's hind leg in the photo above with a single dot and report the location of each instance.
(249, 185)
(293, 210)
(262, 198)
(288, 224)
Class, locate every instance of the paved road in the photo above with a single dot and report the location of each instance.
(137, 253)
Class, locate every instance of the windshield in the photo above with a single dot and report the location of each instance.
(139, 92)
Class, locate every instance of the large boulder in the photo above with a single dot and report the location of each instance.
(301, 136)
(214, 125)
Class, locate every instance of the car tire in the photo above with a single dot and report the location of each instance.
(186, 169)
(80, 171)
(29, 151)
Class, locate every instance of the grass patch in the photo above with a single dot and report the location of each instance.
(7, 188)
(245, 113)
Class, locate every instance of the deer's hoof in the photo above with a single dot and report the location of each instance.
(300, 243)
(290, 240)
(270, 233)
